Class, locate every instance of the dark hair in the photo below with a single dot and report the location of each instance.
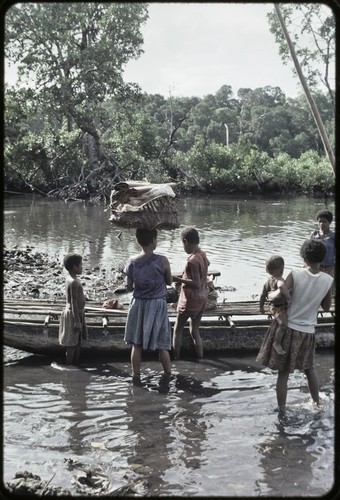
(326, 214)
(275, 262)
(145, 236)
(313, 251)
(72, 259)
(191, 235)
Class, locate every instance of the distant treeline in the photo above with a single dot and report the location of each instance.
(77, 128)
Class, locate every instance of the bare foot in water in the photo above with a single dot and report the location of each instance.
(278, 348)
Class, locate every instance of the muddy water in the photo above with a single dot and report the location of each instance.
(212, 430)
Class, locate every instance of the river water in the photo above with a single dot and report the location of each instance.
(212, 431)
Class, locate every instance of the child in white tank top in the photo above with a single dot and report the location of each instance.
(310, 288)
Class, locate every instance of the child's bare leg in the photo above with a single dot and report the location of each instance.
(178, 333)
(76, 356)
(281, 388)
(136, 359)
(313, 384)
(164, 357)
(281, 328)
(196, 337)
(70, 355)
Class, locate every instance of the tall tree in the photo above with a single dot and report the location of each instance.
(73, 55)
(312, 30)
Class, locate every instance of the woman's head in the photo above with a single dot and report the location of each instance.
(146, 236)
(313, 251)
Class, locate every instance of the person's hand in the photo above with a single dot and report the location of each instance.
(176, 279)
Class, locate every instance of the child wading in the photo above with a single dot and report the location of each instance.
(194, 292)
(72, 327)
(309, 288)
(147, 325)
(279, 301)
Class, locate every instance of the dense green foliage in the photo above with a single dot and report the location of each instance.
(77, 124)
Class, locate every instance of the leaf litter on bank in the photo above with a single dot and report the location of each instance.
(39, 275)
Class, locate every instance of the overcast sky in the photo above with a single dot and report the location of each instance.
(194, 49)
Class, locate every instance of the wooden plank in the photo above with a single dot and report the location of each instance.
(225, 310)
(212, 273)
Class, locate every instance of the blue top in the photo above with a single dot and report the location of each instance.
(329, 241)
(147, 276)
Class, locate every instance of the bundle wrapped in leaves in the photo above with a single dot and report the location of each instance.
(143, 205)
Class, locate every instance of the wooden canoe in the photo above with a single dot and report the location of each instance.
(32, 326)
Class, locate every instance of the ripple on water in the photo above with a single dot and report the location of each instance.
(212, 432)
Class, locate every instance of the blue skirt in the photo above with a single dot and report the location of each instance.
(148, 324)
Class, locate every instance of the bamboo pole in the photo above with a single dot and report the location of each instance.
(309, 97)
(244, 308)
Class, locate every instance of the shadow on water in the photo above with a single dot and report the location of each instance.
(208, 430)
(303, 430)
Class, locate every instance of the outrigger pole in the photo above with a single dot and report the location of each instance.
(309, 97)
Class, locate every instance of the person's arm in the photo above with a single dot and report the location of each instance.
(289, 282)
(282, 286)
(129, 284)
(129, 281)
(327, 300)
(277, 294)
(263, 297)
(74, 292)
(194, 282)
(167, 271)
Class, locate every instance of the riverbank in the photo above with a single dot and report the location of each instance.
(29, 273)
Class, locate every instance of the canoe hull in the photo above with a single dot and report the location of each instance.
(38, 339)
(32, 326)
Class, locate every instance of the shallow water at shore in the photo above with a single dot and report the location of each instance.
(211, 431)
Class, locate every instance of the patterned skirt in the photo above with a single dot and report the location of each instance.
(299, 350)
(67, 335)
(148, 324)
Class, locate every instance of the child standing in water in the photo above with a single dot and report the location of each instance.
(72, 327)
(309, 288)
(278, 301)
(194, 292)
(147, 325)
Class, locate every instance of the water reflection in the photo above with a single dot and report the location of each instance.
(238, 233)
(146, 416)
(287, 473)
(282, 477)
(167, 435)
